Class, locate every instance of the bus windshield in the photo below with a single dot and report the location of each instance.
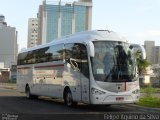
(113, 62)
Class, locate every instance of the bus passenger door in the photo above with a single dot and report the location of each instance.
(77, 62)
(72, 71)
(84, 76)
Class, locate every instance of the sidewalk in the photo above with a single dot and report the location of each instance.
(8, 85)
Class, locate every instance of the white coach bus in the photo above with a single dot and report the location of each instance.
(93, 67)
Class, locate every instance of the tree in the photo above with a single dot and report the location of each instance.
(142, 65)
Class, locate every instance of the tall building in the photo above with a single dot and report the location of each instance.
(32, 32)
(149, 46)
(8, 44)
(57, 20)
(156, 55)
(152, 52)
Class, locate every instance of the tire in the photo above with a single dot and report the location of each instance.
(68, 100)
(28, 93)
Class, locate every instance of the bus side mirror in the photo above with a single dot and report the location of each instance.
(91, 49)
(139, 51)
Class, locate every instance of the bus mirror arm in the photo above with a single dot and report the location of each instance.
(66, 60)
(91, 49)
(139, 49)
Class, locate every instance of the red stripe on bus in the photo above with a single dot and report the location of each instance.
(125, 86)
(60, 65)
(23, 68)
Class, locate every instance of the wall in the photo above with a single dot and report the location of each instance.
(8, 46)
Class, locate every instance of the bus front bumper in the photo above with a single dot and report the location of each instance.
(115, 99)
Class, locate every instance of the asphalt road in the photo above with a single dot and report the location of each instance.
(17, 107)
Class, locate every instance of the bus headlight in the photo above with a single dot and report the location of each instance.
(136, 91)
(96, 91)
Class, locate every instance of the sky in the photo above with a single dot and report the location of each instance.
(137, 20)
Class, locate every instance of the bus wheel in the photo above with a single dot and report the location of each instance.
(28, 93)
(68, 99)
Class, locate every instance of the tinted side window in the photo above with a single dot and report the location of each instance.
(47, 54)
(72, 56)
(76, 55)
(30, 58)
(56, 52)
(21, 58)
(40, 55)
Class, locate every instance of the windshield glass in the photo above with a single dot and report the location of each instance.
(113, 62)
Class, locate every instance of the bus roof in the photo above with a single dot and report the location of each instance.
(83, 37)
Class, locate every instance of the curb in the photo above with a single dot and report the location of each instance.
(145, 109)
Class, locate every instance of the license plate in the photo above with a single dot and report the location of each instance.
(119, 98)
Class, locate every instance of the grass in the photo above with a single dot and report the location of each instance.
(149, 101)
(150, 90)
